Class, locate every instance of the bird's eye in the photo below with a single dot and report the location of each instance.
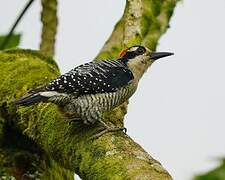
(141, 50)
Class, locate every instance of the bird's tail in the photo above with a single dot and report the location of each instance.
(34, 96)
(31, 99)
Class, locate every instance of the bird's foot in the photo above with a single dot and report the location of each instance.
(107, 130)
(73, 120)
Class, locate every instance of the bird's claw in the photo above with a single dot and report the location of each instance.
(73, 120)
(125, 130)
(107, 130)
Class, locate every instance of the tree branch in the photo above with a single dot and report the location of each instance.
(112, 156)
(49, 21)
(21, 158)
(18, 159)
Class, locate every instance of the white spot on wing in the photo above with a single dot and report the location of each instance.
(49, 93)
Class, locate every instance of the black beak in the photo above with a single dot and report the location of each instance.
(157, 55)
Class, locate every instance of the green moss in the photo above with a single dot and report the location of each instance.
(22, 70)
(30, 71)
(18, 154)
(146, 21)
(26, 66)
(170, 8)
(49, 21)
(156, 6)
(116, 116)
(114, 155)
(114, 172)
(31, 53)
(135, 40)
(55, 172)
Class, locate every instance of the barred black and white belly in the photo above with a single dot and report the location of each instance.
(91, 107)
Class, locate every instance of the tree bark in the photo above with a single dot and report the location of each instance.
(49, 21)
(112, 156)
(20, 157)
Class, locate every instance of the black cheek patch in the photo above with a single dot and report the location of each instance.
(128, 56)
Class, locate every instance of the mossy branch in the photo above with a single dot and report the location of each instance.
(112, 156)
(21, 158)
(49, 26)
(17, 159)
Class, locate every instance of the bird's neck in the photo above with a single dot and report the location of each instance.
(138, 69)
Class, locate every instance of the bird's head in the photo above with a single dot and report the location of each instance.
(139, 58)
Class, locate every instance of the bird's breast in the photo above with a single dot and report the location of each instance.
(104, 101)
